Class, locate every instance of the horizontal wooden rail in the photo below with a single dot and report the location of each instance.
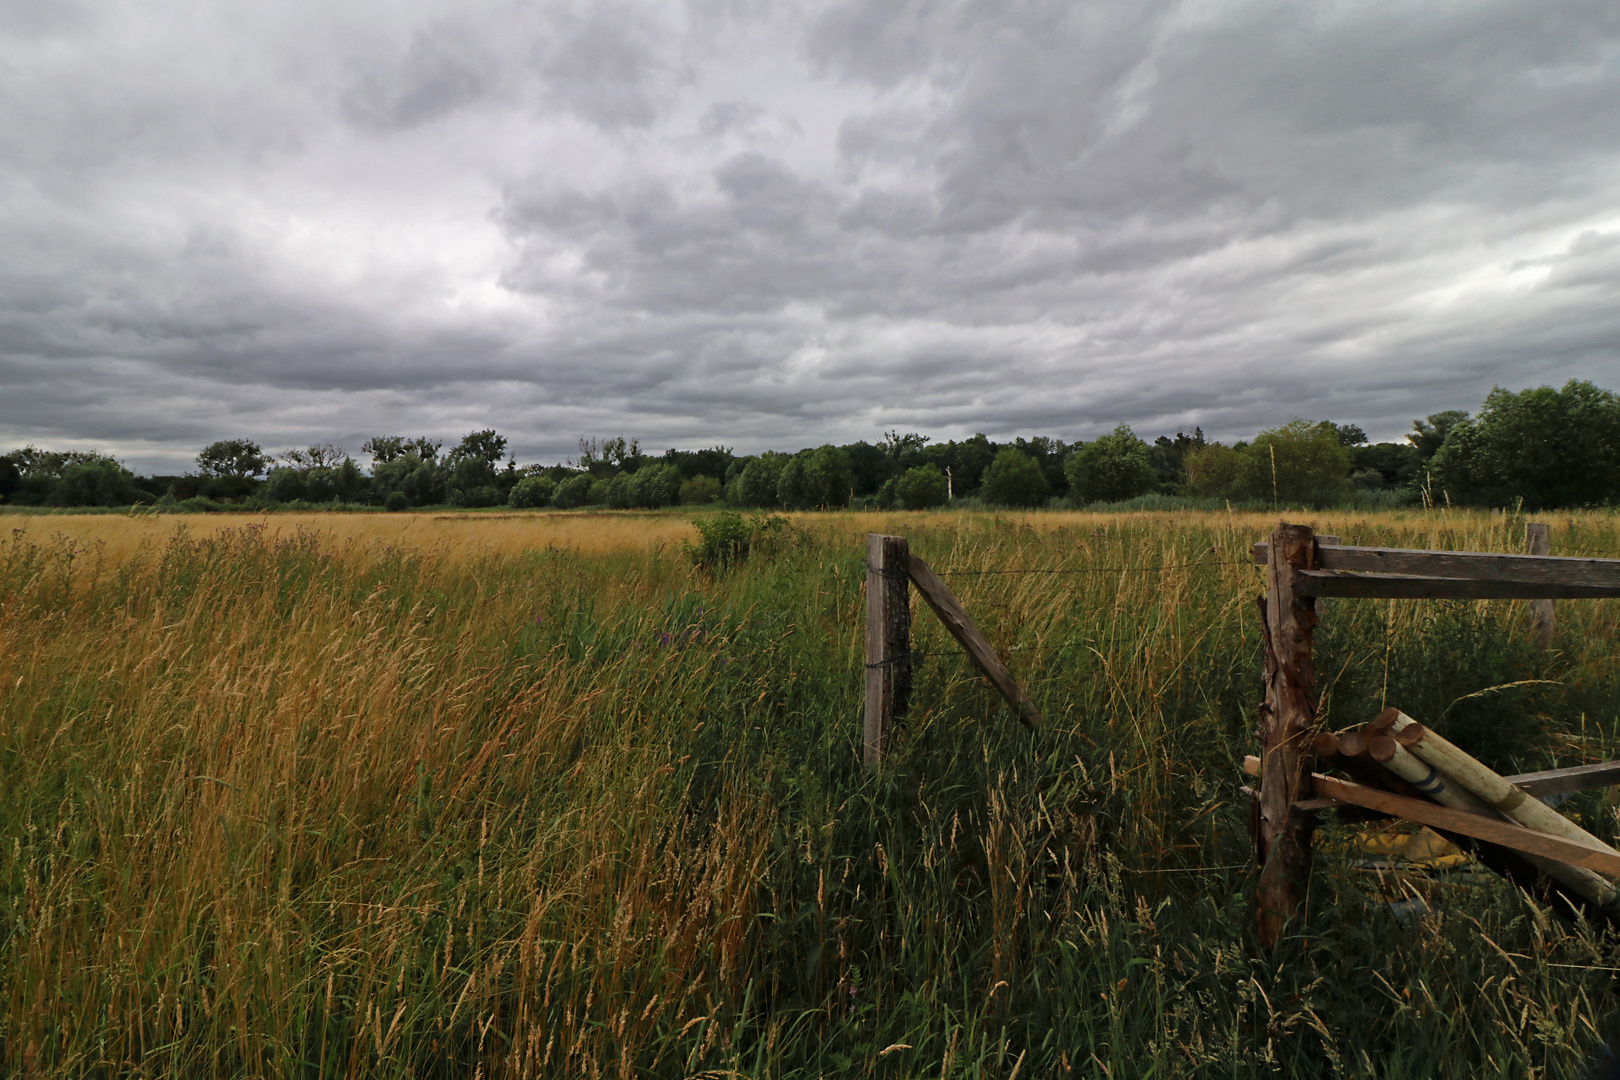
(1409, 574)
(1563, 781)
(1552, 569)
(1426, 587)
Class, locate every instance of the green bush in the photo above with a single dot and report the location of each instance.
(1111, 469)
(727, 538)
(1211, 471)
(652, 486)
(396, 502)
(96, 483)
(532, 491)
(1014, 480)
(922, 488)
(826, 479)
(573, 492)
(1296, 464)
(614, 492)
(700, 491)
(757, 485)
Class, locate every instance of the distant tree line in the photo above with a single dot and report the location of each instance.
(1539, 448)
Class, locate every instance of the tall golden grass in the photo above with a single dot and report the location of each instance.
(530, 795)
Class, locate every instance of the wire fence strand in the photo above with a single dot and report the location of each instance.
(1097, 569)
(906, 657)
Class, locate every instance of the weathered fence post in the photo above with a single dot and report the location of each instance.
(1538, 541)
(888, 641)
(1286, 719)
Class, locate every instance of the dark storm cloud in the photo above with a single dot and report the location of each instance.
(774, 224)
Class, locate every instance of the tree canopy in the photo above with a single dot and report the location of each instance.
(1538, 447)
(1113, 468)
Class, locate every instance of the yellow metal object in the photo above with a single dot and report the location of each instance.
(1422, 847)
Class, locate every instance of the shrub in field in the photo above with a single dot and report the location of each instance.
(96, 483)
(395, 502)
(727, 539)
(10, 476)
(825, 480)
(652, 486)
(1211, 470)
(922, 488)
(532, 491)
(1014, 480)
(757, 486)
(479, 496)
(1111, 469)
(790, 484)
(1297, 464)
(598, 494)
(573, 492)
(421, 479)
(700, 491)
(284, 485)
(613, 493)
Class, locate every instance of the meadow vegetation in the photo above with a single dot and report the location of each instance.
(540, 795)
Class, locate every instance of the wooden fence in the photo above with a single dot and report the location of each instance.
(891, 570)
(1396, 767)
(1300, 567)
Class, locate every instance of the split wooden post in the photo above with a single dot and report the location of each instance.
(1538, 541)
(888, 642)
(1286, 718)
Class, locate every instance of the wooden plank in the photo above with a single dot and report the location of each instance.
(1491, 830)
(1562, 781)
(1420, 587)
(956, 620)
(888, 643)
(1287, 717)
(1486, 565)
(1538, 541)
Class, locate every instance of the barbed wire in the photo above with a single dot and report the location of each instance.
(953, 572)
(896, 575)
(961, 653)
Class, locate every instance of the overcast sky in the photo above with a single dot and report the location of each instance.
(776, 224)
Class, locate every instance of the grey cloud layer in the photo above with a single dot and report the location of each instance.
(777, 224)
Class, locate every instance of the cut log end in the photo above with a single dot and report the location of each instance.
(1381, 748)
(1383, 721)
(1410, 735)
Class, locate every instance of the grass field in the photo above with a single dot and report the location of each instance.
(529, 795)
